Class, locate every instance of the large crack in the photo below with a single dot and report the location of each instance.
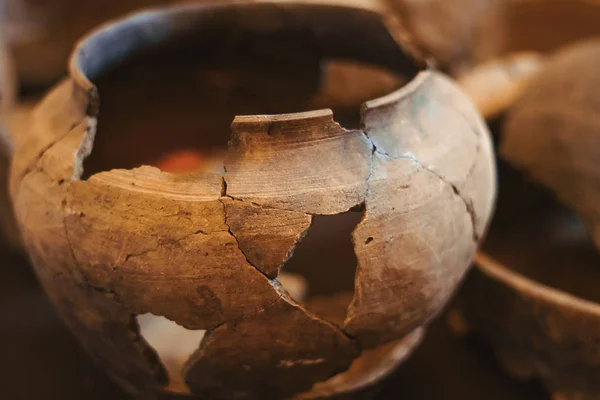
(224, 194)
(279, 288)
(237, 241)
(85, 283)
(115, 296)
(156, 367)
(371, 166)
(468, 203)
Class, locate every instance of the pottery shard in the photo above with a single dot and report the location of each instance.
(160, 243)
(50, 124)
(84, 309)
(422, 216)
(412, 248)
(478, 186)
(302, 162)
(266, 362)
(436, 125)
(267, 237)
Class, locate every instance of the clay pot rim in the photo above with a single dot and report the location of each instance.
(161, 19)
(166, 13)
(500, 273)
(83, 96)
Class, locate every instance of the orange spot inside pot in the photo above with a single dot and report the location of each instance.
(187, 161)
(182, 161)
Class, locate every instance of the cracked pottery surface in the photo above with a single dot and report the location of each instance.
(204, 250)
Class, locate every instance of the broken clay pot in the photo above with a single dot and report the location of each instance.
(119, 246)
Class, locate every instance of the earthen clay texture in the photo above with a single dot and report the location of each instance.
(204, 250)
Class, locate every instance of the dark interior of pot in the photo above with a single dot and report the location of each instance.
(179, 84)
(543, 241)
(538, 25)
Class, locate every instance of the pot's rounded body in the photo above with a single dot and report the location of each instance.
(205, 250)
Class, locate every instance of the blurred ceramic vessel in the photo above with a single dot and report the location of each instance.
(204, 251)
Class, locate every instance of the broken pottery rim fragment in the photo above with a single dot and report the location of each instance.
(496, 270)
(559, 343)
(454, 197)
